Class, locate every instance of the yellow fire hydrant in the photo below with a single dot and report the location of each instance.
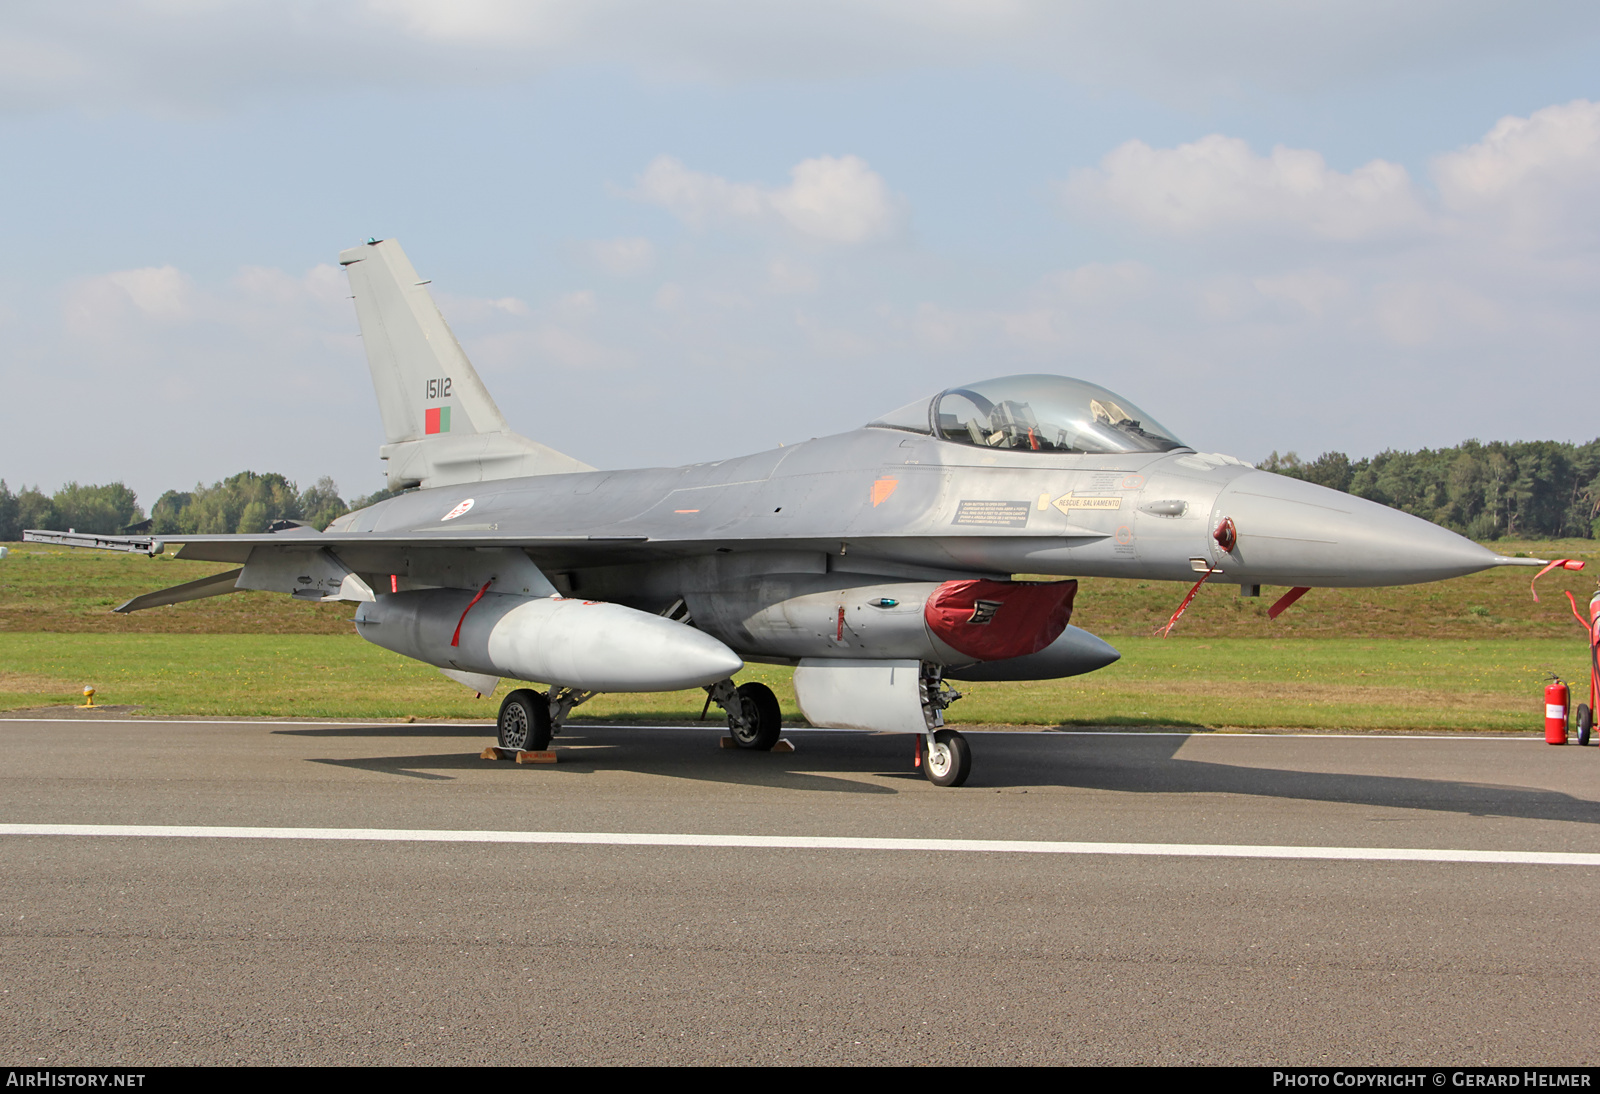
(88, 697)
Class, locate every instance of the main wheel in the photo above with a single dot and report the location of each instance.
(1585, 723)
(762, 719)
(525, 721)
(949, 759)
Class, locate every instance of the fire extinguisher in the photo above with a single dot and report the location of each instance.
(1556, 695)
(1555, 712)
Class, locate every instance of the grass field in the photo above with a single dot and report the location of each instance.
(1464, 654)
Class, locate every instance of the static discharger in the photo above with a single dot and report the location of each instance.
(88, 697)
(496, 752)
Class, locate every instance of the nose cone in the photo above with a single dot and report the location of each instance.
(1296, 533)
(1074, 653)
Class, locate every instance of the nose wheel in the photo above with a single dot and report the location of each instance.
(949, 758)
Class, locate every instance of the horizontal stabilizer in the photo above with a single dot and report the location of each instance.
(216, 585)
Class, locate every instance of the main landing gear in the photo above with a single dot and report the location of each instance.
(754, 719)
(528, 718)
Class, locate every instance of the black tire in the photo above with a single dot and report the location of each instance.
(524, 722)
(949, 761)
(763, 720)
(1585, 723)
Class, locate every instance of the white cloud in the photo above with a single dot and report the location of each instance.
(1098, 282)
(835, 199)
(1218, 184)
(1536, 178)
(697, 198)
(1314, 292)
(494, 23)
(627, 257)
(1528, 185)
(160, 293)
(1429, 312)
(554, 354)
(193, 56)
(578, 305)
(475, 308)
(787, 276)
(839, 199)
(257, 369)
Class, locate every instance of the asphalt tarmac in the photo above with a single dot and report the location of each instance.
(404, 947)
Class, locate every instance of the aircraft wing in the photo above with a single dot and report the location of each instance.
(237, 548)
(366, 550)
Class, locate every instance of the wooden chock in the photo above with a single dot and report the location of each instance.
(783, 745)
(516, 755)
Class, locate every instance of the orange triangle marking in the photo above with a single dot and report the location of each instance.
(882, 489)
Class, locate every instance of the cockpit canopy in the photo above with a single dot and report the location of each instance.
(1034, 413)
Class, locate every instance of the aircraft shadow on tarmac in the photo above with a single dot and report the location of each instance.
(1140, 764)
(866, 763)
(642, 751)
(445, 729)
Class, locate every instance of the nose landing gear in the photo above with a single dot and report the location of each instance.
(948, 759)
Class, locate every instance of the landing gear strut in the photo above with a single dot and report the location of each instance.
(754, 719)
(945, 756)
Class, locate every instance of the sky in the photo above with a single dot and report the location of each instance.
(667, 233)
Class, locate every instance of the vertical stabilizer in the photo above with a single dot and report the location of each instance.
(440, 423)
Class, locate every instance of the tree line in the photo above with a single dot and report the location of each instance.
(1533, 489)
(246, 502)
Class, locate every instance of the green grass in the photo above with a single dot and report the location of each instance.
(1209, 683)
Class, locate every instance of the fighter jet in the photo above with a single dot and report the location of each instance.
(878, 562)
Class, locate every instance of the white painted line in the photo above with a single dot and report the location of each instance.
(814, 843)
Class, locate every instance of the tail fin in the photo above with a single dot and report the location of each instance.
(440, 422)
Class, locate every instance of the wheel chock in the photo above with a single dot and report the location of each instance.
(783, 745)
(495, 752)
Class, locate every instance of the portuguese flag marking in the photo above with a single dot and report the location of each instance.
(436, 419)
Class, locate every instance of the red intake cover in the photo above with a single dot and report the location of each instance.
(993, 620)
